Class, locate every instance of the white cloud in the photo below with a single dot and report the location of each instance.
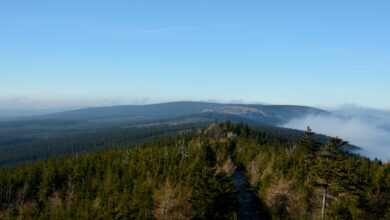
(367, 129)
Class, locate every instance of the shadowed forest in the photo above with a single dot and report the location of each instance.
(193, 175)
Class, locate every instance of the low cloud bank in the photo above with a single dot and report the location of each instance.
(366, 128)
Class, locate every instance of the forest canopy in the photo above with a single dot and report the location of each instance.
(189, 176)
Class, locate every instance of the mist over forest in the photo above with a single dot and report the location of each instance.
(363, 127)
(195, 110)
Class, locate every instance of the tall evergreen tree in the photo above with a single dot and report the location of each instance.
(327, 168)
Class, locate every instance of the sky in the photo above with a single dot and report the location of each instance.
(56, 54)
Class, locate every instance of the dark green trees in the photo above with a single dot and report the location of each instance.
(312, 180)
(328, 167)
(307, 146)
(213, 193)
(170, 178)
(181, 177)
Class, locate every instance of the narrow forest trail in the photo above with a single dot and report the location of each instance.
(249, 204)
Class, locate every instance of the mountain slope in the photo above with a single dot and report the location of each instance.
(276, 113)
(136, 115)
(190, 176)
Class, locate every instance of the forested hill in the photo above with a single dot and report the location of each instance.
(190, 176)
(184, 108)
(142, 115)
(18, 150)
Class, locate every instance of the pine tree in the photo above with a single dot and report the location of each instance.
(327, 169)
(213, 195)
(168, 204)
(307, 147)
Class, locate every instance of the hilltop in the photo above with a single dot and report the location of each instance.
(154, 114)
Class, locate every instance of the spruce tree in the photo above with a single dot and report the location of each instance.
(328, 167)
(307, 147)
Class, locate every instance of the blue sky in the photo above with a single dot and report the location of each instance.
(82, 53)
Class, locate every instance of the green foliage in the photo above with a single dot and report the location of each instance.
(124, 183)
(18, 150)
(290, 179)
(212, 195)
(180, 177)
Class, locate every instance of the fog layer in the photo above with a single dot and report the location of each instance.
(363, 127)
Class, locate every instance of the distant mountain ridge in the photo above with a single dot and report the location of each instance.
(91, 129)
(177, 109)
(163, 113)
